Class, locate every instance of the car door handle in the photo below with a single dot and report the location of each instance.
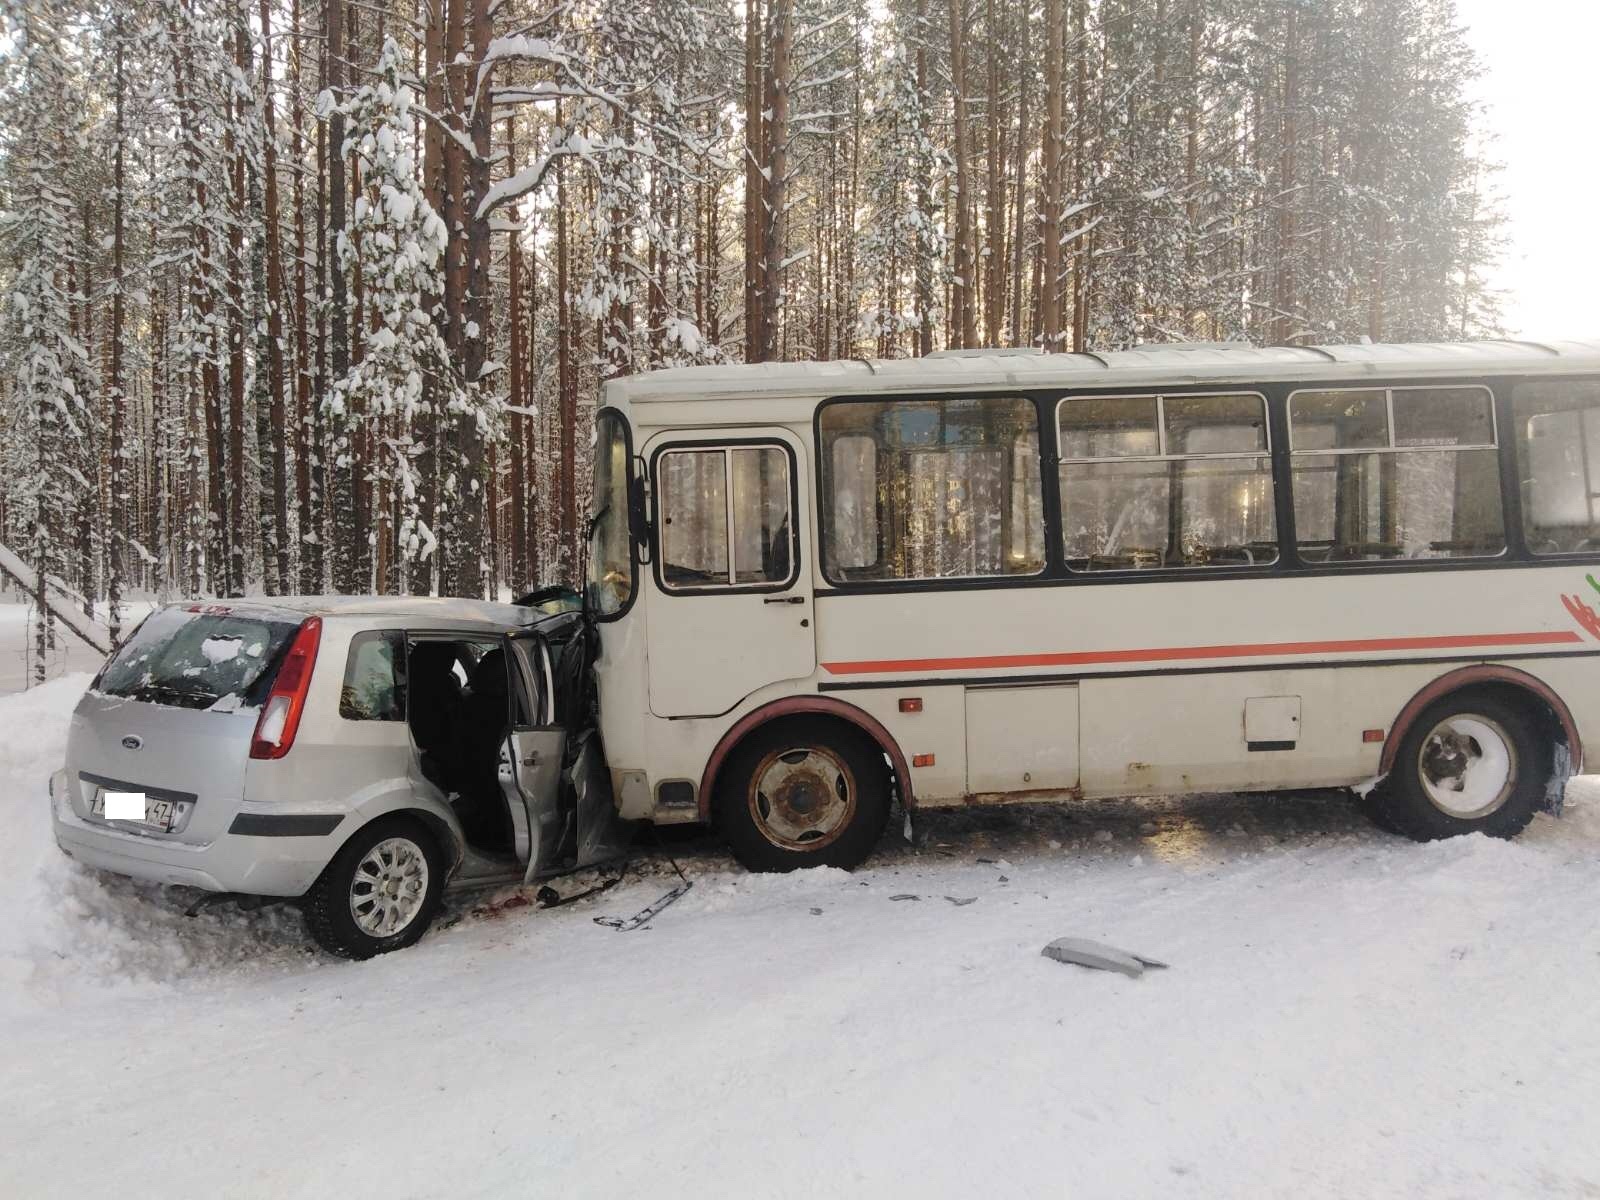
(531, 760)
(784, 600)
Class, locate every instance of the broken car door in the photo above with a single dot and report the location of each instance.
(536, 748)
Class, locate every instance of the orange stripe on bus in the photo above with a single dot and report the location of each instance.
(1077, 658)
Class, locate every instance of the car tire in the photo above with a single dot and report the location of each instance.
(1470, 763)
(380, 892)
(803, 792)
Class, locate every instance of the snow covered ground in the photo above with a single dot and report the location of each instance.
(1345, 1014)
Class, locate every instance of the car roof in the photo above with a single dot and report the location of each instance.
(1174, 364)
(433, 608)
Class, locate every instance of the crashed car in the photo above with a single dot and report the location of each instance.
(361, 755)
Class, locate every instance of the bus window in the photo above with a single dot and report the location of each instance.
(761, 532)
(1166, 481)
(855, 491)
(700, 492)
(1558, 444)
(1387, 473)
(931, 489)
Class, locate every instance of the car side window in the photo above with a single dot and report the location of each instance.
(375, 677)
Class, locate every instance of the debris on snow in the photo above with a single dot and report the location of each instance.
(649, 913)
(1084, 953)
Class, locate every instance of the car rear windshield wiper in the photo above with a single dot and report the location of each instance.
(183, 697)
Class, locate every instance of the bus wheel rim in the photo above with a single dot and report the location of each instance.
(388, 888)
(802, 798)
(1467, 765)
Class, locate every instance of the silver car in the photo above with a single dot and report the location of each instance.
(361, 754)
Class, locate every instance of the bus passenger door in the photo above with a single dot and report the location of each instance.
(730, 603)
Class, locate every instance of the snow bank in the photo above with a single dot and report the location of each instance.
(67, 928)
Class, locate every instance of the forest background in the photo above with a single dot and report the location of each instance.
(302, 296)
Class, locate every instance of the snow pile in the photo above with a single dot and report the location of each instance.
(67, 927)
(1345, 1014)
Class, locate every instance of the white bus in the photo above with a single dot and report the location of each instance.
(994, 575)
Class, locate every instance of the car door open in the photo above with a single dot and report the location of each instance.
(537, 746)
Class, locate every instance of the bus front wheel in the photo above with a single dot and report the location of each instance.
(803, 792)
(1471, 763)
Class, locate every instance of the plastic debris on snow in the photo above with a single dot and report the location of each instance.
(1084, 953)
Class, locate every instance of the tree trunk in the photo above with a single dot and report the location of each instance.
(1019, 329)
(1080, 179)
(923, 267)
(428, 424)
(346, 559)
(755, 213)
(118, 508)
(310, 580)
(238, 212)
(1284, 325)
(275, 499)
(318, 507)
(1050, 219)
(566, 383)
(777, 163)
(995, 266)
(519, 399)
(467, 548)
(963, 320)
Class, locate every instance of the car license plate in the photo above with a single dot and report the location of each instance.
(158, 814)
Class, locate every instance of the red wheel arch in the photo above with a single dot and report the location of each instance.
(788, 707)
(1467, 677)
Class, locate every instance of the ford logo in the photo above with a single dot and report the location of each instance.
(132, 743)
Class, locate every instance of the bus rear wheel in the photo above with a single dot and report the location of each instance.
(803, 792)
(1471, 763)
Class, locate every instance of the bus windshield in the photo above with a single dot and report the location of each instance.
(610, 578)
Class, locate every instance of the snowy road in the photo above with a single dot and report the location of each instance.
(1346, 1014)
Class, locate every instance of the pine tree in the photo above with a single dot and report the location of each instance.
(399, 241)
(49, 367)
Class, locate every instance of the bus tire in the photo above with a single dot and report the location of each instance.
(1472, 762)
(1371, 807)
(379, 893)
(803, 792)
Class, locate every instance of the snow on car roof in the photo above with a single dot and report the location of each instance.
(1170, 364)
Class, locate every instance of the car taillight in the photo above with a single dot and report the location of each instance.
(280, 716)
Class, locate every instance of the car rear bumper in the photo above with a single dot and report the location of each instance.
(268, 860)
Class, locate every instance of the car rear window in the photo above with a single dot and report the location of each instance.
(198, 657)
